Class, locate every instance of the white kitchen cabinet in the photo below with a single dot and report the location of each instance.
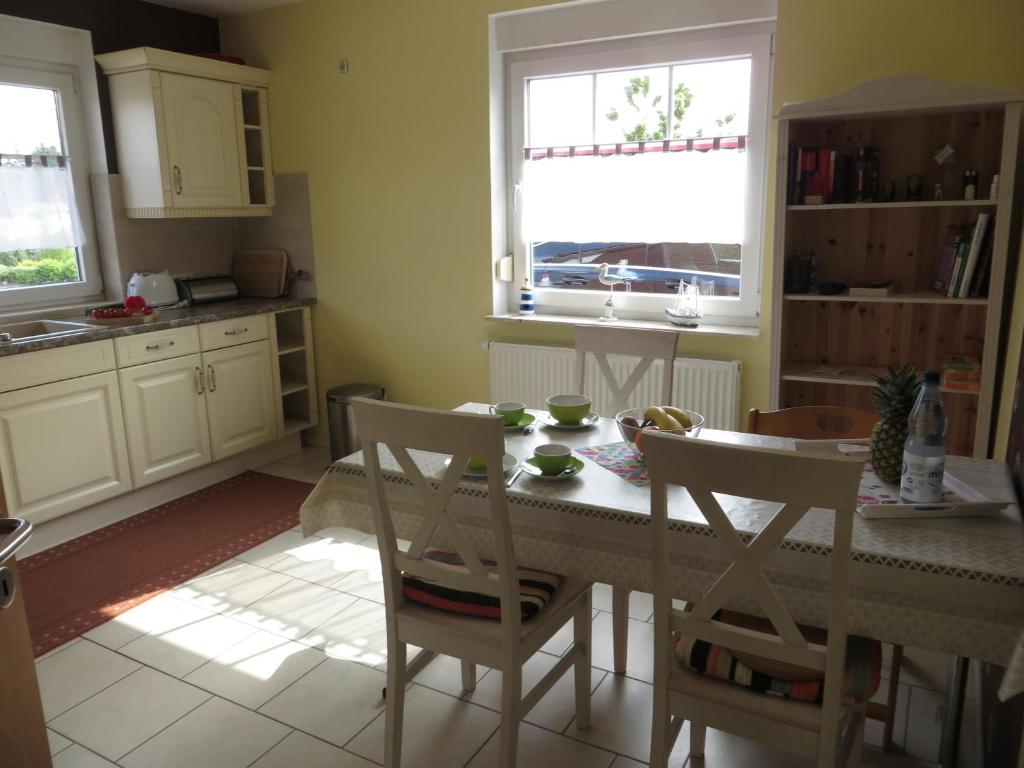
(202, 141)
(192, 134)
(62, 446)
(239, 398)
(165, 410)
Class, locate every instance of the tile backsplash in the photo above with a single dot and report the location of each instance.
(200, 246)
(289, 229)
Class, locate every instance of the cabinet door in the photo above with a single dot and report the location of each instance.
(62, 446)
(201, 128)
(165, 415)
(239, 398)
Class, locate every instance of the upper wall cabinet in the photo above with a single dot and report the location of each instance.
(192, 134)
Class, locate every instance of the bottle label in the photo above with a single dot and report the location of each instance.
(922, 478)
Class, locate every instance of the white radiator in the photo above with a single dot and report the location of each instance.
(530, 373)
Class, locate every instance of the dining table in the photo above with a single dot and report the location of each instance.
(954, 585)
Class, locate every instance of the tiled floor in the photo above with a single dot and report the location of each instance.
(277, 658)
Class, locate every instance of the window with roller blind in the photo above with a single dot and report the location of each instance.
(47, 252)
(648, 155)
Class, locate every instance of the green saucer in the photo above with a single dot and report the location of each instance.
(524, 421)
(575, 467)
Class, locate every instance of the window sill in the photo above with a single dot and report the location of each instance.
(734, 331)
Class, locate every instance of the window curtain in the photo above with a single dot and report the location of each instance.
(37, 208)
(675, 197)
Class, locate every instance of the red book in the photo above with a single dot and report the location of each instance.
(825, 175)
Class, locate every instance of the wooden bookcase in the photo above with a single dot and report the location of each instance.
(825, 349)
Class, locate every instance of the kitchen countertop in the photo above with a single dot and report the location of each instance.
(169, 318)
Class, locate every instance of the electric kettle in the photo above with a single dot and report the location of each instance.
(157, 288)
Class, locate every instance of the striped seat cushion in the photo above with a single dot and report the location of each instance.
(860, 681)
(535, 589)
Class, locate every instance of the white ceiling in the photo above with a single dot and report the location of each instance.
(222, 7)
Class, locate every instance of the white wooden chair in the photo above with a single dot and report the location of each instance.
(648, 346)
(503, 645)
(831, 732)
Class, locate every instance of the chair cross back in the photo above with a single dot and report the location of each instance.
(462, 435)
(648, 345)
(799, 482)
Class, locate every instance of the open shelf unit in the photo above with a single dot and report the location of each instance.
(259, 181)
(294, 371)
(827, 349)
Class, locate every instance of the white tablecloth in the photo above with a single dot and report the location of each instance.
(954, 585)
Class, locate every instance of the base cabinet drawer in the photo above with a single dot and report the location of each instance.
(156, 345)
(62, 446)
(165, 410)
(226, 333)
(42, 367)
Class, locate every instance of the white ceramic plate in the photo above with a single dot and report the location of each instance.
(508, 463)
(587, 421)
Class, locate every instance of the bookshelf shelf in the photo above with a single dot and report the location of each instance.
(848, 375)
(896, 206)
(913, 245)
(892, 298)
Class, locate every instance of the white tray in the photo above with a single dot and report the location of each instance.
(958, 500)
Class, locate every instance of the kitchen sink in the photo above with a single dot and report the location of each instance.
(39, 329)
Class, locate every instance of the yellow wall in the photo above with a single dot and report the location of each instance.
(397, 153)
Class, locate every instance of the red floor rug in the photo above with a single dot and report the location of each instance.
(73, 587)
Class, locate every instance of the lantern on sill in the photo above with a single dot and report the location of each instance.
(526, 298)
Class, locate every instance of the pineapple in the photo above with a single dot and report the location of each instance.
(894, 397)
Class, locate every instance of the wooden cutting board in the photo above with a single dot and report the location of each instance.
(262, 273)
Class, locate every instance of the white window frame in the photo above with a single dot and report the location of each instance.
(61, 79)
(753, 40)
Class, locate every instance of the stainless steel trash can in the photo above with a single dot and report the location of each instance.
(344, 439)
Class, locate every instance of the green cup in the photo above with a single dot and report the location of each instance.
(552, 458)
(569, 409)
(511, 411)
(476, 464)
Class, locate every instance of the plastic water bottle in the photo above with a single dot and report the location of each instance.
(924, 456)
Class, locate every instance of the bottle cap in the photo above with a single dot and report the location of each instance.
(932, 377)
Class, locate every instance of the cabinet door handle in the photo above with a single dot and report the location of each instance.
(236, 331)
(177, 180)
(200, 387)
(212, 376)
(161, 345)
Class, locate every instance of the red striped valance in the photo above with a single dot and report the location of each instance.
(30, 160)
(638, 147)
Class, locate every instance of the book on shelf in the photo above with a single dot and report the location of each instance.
(971, 262)
(947, 262)
(979, 286)
(883, 288)
(817, 176)
(961, 372)
(958, 268)
(962, 268)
